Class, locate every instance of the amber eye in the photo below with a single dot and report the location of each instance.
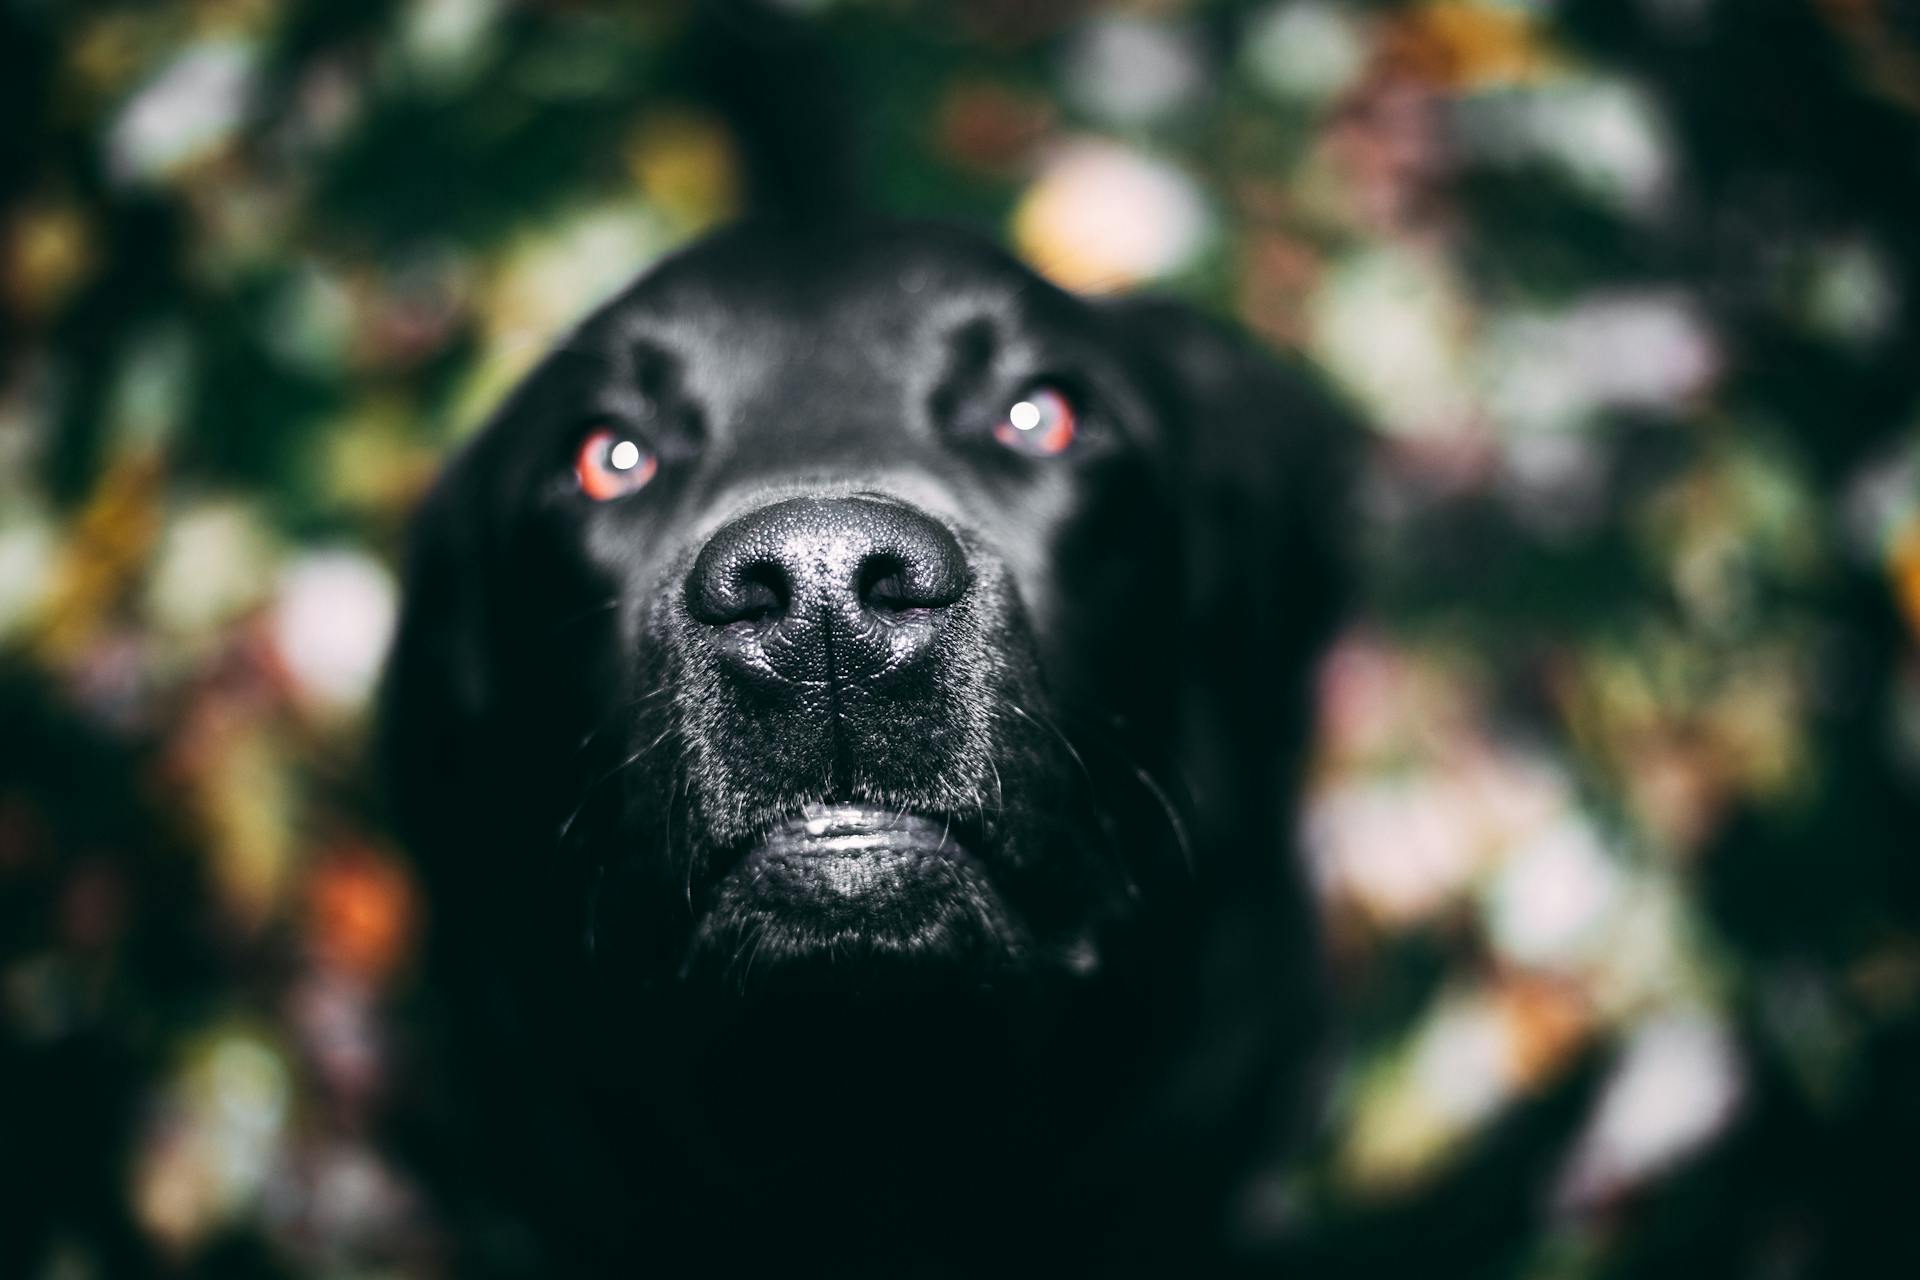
(1040, 425)
(611, 465)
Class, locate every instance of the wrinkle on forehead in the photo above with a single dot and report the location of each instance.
(855, 371)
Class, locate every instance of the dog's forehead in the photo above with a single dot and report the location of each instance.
(830, 299)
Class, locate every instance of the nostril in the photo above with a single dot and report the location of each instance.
(892, 582)
(882, 583)
(750, 590)
(761, 591)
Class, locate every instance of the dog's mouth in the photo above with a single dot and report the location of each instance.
(852, 832)
(844, 846)
(843, 880)
(837, 861)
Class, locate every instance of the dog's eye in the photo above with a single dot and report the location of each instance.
(612, 465)
(1041, 425)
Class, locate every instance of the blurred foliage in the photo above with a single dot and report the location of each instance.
(1615, 813)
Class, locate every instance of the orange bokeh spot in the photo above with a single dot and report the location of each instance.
(360, 912)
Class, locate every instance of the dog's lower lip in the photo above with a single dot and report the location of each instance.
(854, 829)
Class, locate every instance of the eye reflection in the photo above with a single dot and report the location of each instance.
(1040, 426)
(609, 466)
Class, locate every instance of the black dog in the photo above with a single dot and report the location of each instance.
(846, 709)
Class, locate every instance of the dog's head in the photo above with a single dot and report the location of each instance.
(853, 623)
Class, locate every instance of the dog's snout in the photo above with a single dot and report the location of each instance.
(826, 589)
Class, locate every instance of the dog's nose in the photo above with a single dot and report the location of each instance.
(827, 591)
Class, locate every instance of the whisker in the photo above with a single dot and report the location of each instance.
(1176, 825)
(587, 794)
(593, 610)
(658, 691)
(1102, 813)
(1047, 724)
(673, 803)
(999, 793)
(750, 947)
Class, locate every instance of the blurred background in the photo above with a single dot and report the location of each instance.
(1616, 815)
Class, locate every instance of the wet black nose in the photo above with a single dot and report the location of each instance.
(826, 592)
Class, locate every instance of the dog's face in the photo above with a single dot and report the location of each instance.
(841, 621)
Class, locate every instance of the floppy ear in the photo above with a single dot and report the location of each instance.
(1265, 460)
(1269, 459)
(433, 747)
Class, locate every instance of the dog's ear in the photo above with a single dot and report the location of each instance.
(1269, 459)
(433, 719)
(1266, 462)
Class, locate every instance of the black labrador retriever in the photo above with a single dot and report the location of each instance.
(846, 709)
